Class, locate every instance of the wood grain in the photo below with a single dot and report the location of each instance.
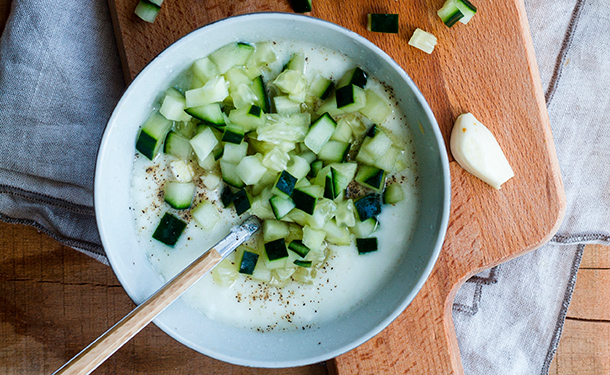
(498, 83)
(54, 301)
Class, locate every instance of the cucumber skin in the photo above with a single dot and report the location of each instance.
(366, 245)
(248, 262)
(169, 229)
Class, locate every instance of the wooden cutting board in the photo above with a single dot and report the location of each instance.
(488, 68)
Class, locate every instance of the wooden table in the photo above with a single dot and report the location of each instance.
(55, 301)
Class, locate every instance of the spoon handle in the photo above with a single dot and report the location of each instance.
(104, 346)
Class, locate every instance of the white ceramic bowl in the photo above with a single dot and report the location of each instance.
(181, 320)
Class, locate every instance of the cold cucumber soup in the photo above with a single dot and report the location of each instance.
(299, 136)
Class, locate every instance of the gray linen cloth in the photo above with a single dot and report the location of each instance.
(60, 78)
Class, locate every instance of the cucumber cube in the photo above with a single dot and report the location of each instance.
(203, 143)
(206, 215)
(276, 249)
(169, 229)
(241, 201)
(366, 245)
(304, 201)
(298, 247)
(248, 262)
(233, 54)
(368, 206)
(371, 177)
(285, 184)
(250, 169)
(320, 132)
(274, 229)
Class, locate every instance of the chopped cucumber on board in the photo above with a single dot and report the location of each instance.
(292, 163)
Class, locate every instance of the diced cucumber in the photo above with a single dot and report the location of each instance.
(276, 249)
(334, 151)
(203, 143)
(335, 234)
(298, 247)
(225, 273)
(204, 69)
(259, 89)
(284, 129)
(226, 197)
(393, 193)
(229, 175)
(329, 188)
(364, 228)
(313, 238)
(308, 155)
(377, 146)
(388, 161)
(148, 11)
(179, 194)
(366, 245)
(173, 106)
(153, 132)
(350, 98)
(169, 229)
(292, 83)
(355, 76)
(298, 167)
(211, 180)
(316, 166)
(210, 114)
(284, 185)
(368, 206)
(423, 40)
(232, 54)
(302, 263)
(214, 91)
(248, 262)
(243, 96)
(276, 159)
(186, 129)
(324, 211)
(456, 10)
(382, 23)
(285, 106)
(206, 215)
(301, 6)
(376, 109)
(345, 215)
(241, 201)
(296, 63)
(233, 133)
(236, 76)
(281, 206)
(250, 169)
(321, 87)
(371, 177)
(320, 132)
(343, 132)
(274, 229)
(234, 153)
(264, 54)
(178, 146)
(304, 199)
(248, 117)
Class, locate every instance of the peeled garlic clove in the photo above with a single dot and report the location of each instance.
(478, 152)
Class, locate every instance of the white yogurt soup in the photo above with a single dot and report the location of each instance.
(292, 297)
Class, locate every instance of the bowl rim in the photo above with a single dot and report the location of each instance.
(445, 191)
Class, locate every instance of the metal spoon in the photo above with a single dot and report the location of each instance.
(105, 345)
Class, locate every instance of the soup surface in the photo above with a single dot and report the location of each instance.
(340, 283)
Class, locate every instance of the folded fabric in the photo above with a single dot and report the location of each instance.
(60, 78)
(510, 322)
